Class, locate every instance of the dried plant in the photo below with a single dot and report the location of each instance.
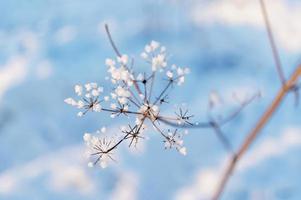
(134, 97)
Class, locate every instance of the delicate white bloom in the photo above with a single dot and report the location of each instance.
(90, 164)
(122, 92)
(100, 89)
(90, 101)
(96, 107)
(110, 63)
(78, 90)
(123, 59)
(183, 151)
(88, 95)
(113, 95)
(120, 74)
(80, 104)
(181, 80)
(158, 62)
(122, 100)
(179, 142)
(154, 55)
(88, 86)
(180, 71)
(100, 147)
(169, 74)
(113, 106)
(87, 137)
(70, 101)
(154, 45)
(103, 162)
(95, 93)
(132, 94)
(103, 129)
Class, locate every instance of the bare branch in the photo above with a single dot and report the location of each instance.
(272, 42)
(111, 41)
(254, 133)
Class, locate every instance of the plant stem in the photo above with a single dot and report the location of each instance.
(254, 133)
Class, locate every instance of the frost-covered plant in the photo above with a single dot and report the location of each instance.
(133, 94)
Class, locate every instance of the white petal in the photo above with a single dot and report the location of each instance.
(113, 106)
(123, 59)
(78, 89)
(103, 129)
(97, 107)
(110, 62)
(88, 95)
(88, 86)
(183, 151)
(70, 101)
(154, 44)
(90, 164)
(95, 93)
(169, 74)
(80, 104)
(103, 164)
(87, 137)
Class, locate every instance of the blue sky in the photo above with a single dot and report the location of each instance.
(46, 47)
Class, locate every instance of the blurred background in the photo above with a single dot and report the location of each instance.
(46, 47)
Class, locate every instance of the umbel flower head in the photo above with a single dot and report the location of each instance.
(133, 96)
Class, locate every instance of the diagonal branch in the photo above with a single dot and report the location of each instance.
(254, 133)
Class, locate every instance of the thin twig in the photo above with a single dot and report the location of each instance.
(254, 133)
(111, 40)
(221, 136)
(272, 42)
(208, 124)
(274, 48)
(239, 110)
